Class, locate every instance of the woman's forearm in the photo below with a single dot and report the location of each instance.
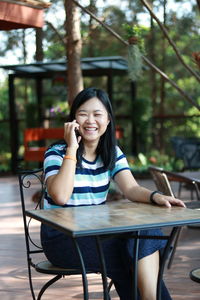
(139, 194)
(60, 186)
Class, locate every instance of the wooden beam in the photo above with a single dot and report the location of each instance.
(15, 16)
(31, 3)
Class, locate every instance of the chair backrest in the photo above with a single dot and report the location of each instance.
(191, 155)
(53, 133)
(31, 187)
(187, 149)
(33, 134)
(40, 135)
(161, 181)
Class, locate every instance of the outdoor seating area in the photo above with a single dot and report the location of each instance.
(94, 98)
(162, 179)
(14, 273)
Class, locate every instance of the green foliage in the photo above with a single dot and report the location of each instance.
(59, 113)
(31, 115)
(5, 161)
(138, 32)
(143, 161)
(135, 36)
(4, 108)
(55, 51)
(183, 29)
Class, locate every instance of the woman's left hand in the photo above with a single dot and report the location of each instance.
(167, 201)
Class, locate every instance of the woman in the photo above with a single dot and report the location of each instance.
(78, 172)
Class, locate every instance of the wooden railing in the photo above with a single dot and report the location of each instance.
(40, 135)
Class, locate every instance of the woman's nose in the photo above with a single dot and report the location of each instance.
(90, 118)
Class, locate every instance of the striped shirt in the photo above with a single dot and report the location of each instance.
(91, 182)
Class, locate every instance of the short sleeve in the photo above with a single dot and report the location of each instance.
(53, 160)
(121, 163)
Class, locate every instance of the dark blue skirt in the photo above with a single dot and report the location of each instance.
(118, 252)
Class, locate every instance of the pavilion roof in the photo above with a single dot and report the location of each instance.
(94, 66)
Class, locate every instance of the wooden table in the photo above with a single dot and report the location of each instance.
(116, 218)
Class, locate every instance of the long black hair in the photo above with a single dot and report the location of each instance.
(107, 144)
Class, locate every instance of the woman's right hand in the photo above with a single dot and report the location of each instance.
(70, 136)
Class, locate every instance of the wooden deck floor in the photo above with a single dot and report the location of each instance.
(13, 272)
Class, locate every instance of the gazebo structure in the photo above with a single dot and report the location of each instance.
(91, 67)
(15, 14)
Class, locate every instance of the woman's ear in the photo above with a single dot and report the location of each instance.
(108, 119)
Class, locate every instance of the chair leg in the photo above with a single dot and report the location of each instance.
(179, 189)
(110, 285)
(197, 190)
(109, 288)
(30, 282)
(174, 248)
(50, 282)
(103, 269)
(192, 193)
(163, 259)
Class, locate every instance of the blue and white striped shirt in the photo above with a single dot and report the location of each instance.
(91, 182)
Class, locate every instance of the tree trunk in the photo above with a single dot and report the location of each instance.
(74, 49)
(152, 77)
(198, 4)
(25, 60)
(39, 54)
(91, 29)
(162, 82)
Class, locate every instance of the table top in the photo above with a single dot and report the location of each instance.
(114, 217)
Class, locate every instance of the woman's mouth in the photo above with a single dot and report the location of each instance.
(91, 129)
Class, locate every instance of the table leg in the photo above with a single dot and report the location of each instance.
(103, 269)
(163, 260)
(135, 264)
(84, 276)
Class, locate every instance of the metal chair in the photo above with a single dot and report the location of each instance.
(162, 179)
(191, 183)
(188, 150)
(31, 193)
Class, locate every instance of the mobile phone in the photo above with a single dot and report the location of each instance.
(77, 133)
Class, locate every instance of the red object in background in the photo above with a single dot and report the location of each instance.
(32, 153)
(36, 153)
(119, 131)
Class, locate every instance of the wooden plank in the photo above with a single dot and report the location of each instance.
(14, 16)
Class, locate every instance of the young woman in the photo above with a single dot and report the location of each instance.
(78, 172)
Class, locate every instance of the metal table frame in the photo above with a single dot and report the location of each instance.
(45, 216)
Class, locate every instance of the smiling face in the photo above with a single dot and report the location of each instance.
(93, 119)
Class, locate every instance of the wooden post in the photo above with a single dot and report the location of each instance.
(14, 133)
